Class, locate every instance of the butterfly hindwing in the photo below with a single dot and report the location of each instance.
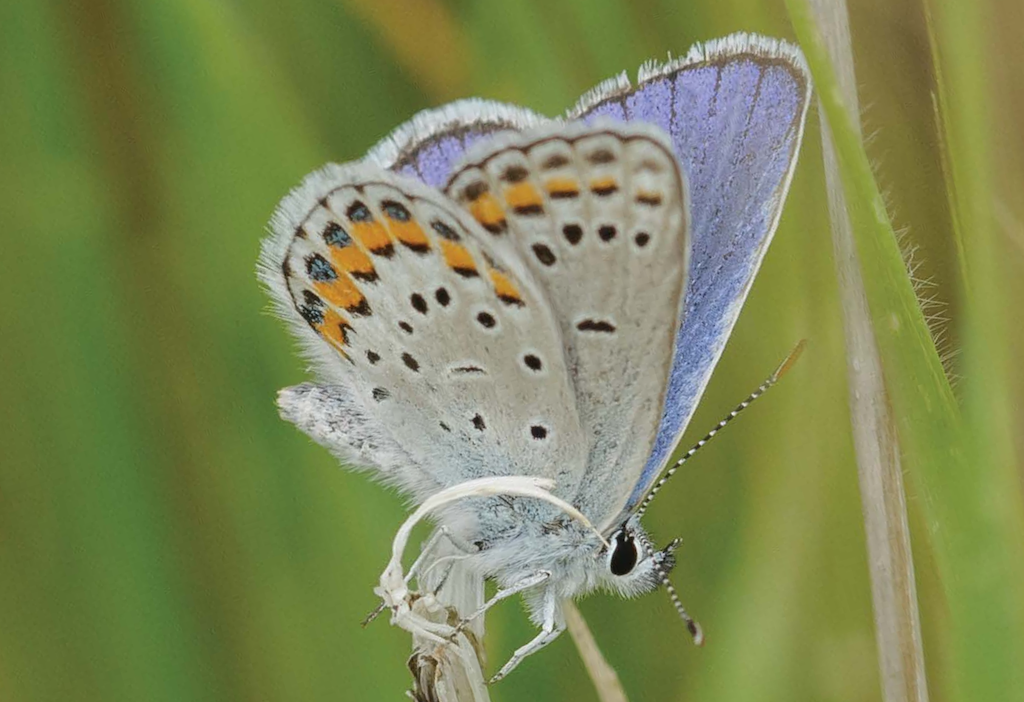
(599, 215)
(336, 417)
(433, 143)
(431, 334)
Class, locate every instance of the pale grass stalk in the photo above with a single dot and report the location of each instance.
(883, 502)
(605, 680)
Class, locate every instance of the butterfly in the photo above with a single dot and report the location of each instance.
(490, 292)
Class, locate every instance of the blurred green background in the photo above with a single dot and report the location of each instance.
(164, 536)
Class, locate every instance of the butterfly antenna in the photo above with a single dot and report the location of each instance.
(772, 379)
(693, 627)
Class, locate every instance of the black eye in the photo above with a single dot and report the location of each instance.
(624, 554)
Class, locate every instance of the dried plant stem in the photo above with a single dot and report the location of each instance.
(453, 672)
(447, 660)
(893, 590)
(606, 681)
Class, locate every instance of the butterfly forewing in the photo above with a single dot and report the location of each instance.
(735, 111)
(599, 216)
(439, 337)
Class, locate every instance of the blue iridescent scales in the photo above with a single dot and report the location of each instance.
(751, 94)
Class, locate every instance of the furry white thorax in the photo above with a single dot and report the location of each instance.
(522, 538)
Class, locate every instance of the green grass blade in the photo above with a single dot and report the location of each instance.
(883, 499)
(972, 522)
(959, 50)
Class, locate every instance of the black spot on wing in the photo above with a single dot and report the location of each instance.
(311, 308)
(555, 161)
(514, 174)
(499, 227)
(319, 269)
(361, 308)
(396, 211)
(596, 325)
(474, 190)
(648, 199)
(544, 254)
(444, 231)
(532, 362)
(359, 212)
(531, 210)
(334, 235)
(418, 303)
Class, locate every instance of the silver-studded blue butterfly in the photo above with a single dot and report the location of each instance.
(494, 293)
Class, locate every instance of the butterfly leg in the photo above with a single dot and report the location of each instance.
(431, 544)
(428, 548)
(503, 594)
(553, 625)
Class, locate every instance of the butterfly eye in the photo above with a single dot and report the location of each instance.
(624, 554)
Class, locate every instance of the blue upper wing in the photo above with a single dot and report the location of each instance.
(735, 110)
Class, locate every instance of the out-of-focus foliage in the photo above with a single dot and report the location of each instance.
(164, 536)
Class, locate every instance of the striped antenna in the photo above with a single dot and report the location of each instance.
(693, 627)
(772, 379)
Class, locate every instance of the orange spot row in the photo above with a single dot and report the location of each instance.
(505, 288)
(523, 196)
(352, 260)
(562, 187)
(371, 235)
(341, 292)
(604, 185)
(334, 328)
(486, 210)
(647, 197)
(410, 234)
(457, 257)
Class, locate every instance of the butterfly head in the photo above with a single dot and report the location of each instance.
(633, 565)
